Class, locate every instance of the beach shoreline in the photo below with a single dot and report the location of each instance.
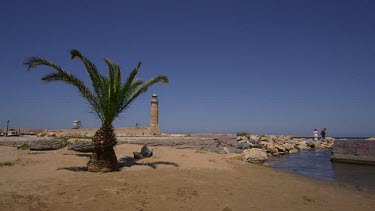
(173, 179)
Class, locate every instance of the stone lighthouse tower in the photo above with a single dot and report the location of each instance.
(154, 120)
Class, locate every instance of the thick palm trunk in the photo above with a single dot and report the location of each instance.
(103, 158)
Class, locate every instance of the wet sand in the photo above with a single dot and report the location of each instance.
(175, 179)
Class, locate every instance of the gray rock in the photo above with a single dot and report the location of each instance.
(239, 151)
(40, 145)
(254, 141)
(137, 155)
(82, 147)
(146, 152)
(255, 156)
(257, 146)
(310, 143)
(244, 144)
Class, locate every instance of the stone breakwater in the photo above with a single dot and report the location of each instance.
(354, 151)
(257, 148)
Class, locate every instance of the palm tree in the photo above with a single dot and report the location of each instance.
(108, 97)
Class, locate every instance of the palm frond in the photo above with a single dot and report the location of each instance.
(61, 75)
(90, 68)
(142, 88)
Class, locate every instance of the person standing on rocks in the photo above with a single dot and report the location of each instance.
(316, 134)
(323, 133)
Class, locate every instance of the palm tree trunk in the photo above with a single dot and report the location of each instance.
(103, 158)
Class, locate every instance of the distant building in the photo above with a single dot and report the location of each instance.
(77, 124)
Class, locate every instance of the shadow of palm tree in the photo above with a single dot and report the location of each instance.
(123, 162)
(84, 155)
(129, 161)
(74, 168)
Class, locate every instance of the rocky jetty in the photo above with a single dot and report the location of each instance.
(257, 148)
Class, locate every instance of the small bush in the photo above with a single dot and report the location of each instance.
(23, 147)
(6, 163)
(9, 163)
(242, 134)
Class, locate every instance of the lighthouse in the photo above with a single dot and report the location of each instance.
(154, 120)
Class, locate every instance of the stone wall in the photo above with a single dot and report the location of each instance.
(130, 131)
(354, 151)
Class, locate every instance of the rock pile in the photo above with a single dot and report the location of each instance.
(257, 148)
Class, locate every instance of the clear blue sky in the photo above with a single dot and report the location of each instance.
(275, 67)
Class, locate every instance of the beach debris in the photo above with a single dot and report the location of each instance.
(257, 156)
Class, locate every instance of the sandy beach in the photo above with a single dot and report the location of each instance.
(174, 179)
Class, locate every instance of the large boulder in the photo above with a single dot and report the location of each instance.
(331, 140)
(288, 146)
(310, 143)
(244, 144)
(47, 144)
(280, 141)
(293, 151)
(241, 138)
(81, 147)
(266, 139)
(280, 148)
(255, 156)
(302, 147)
(255, 138)
(254, 141)
(257, 146)
(318, 145)
(271, 147)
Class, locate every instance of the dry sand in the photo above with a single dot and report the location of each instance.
(175, 179)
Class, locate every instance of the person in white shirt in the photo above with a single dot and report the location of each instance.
(316, 134)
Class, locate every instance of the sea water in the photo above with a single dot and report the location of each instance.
(317, 164)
